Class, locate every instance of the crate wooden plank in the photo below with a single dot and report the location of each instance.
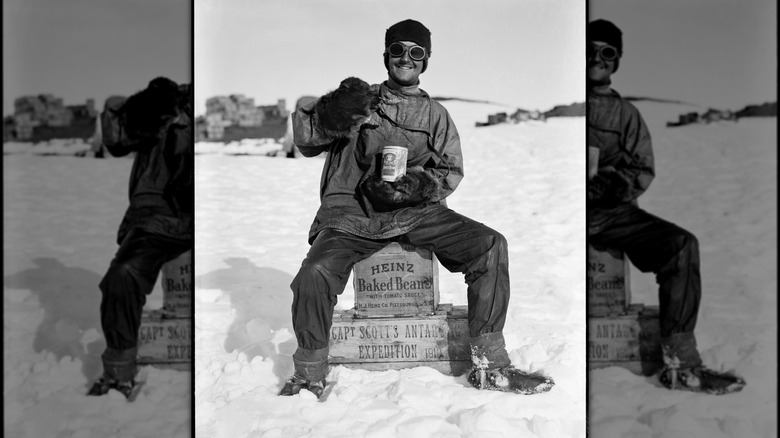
(176, 282)
(399, 280)
(631, 341)
(643, 368)
(608, 282)
(176, 366)
(448, 367)
(442, 337)
(164, 340)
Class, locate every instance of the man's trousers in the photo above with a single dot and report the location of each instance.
(461, 245)
(672, 254)
(129, 279)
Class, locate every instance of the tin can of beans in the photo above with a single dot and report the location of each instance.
(393, 162)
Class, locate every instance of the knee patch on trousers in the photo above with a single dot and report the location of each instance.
(688, 252)
(497, 245)
(312, 279)
(117, 274)
(686, 241)
(122, 278)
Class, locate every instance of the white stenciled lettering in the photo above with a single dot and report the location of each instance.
(387, 351)
(392, 267)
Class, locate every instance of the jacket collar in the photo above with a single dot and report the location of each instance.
(602, 90)
(410, 90)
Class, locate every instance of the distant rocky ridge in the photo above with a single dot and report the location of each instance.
(767, 109)
(655, 99)
(441, 98)
(576, 109)
(714, 115)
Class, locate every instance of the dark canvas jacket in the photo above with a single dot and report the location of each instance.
(412, 120)
(161, 181)
(617, 129)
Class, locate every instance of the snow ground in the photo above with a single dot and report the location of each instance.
(248, 146)
(253, 216)
(60, 217)
(52, 147)
(61, 213)
(718, 181)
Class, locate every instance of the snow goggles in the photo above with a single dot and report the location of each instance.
(397, 50)
(606, 52)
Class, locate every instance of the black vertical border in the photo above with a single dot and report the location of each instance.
(192, 260)
(587, 304)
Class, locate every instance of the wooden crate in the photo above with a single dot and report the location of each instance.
(608, 282)
(448, 367)
(176, 282)
(440, 341)
(631, 341)
(399, 280)
(164, 341)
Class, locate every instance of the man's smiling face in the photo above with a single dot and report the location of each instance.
(599, 69)
(404, 70)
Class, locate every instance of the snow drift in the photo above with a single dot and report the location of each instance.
(253, 217)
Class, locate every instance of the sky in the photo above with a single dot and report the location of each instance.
(527, 54)
(714, 53)
(80, 49)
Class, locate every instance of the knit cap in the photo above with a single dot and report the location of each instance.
(409, 30)
(606, 31)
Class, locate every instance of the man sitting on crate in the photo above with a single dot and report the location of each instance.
(360, 214)
(156, 125)
(625, 170)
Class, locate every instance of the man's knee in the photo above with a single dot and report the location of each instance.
(124, 278)
(494, 241)
(490, 249)
(691, 241)
(312, 279)
(686, 242)
(691, 249)
(500, 241)
(117, 273)
(683, 251)
(306, 275)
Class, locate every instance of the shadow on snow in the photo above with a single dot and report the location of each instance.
(262, 300)
(70, 299)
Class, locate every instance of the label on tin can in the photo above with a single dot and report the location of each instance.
(393, 162)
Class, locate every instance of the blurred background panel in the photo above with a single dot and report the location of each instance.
(703, 75)
(62, 208)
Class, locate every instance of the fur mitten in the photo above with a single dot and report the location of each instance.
(152, 108)
(342, 108)
(414, 188)
(608, 188)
